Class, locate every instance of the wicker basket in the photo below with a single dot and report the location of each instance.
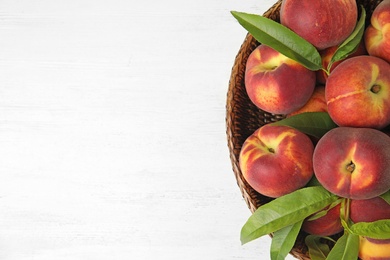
(243, 118)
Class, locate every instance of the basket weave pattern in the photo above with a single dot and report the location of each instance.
(243, 118)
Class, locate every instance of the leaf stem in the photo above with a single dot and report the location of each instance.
(326, 71)
(344, 210)
(344, 215)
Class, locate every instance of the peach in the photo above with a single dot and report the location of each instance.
(377, 34)
(353, 162)
(316, 103)
(275, 83)
(369, 210)
(323, 23)
(374, 249)
(358, 93)
(277, 160)
(326, 56)
(327, 225)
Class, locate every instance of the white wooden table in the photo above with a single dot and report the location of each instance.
(112, 130)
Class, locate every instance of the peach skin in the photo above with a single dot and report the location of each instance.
(277, 160)
(377, 34)
(369, 210)
(323, 23)
(358, 93)
(316, 103)
(275, 83)
(326, 225)
(374, 249)
(353, 162)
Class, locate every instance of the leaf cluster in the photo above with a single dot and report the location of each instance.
(283, 217)
(293, 46)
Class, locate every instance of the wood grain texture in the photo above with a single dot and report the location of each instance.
(112, 130)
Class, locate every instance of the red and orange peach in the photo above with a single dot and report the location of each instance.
(374, 249)
(276, 83)
(353, 162)
(323, 23)
(327, 225)
(358, 93)
(368, 211)
(277, 160)
(377, 34)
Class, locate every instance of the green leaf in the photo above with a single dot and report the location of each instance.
(379, 229)
(318, 215)
(284, 211)
(346, 248)
(350, 44)
(386, 196)
(323, 212)
(283, 240)
(280, 38)
(317, 250)
(312, 123)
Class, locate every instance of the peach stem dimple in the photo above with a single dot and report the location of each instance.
(375, 88)
(350, 167)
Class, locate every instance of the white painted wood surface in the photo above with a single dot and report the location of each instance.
(112, 130)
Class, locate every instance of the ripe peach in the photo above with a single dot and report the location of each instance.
(358, 93)
(275, 83)
(377, 34)
(326, 56)
(323, 23)
(316, 103)
(369, 210)
(277, 160)
(326, 225)
(353, 162)
(374, 249)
